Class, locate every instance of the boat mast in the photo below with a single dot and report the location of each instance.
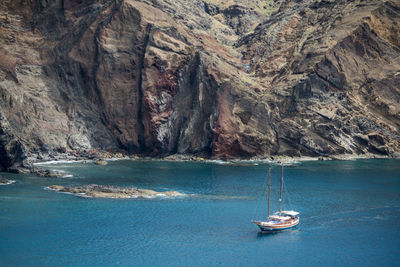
(269, 192)
(280, 197)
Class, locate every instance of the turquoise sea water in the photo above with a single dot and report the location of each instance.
(350, 216)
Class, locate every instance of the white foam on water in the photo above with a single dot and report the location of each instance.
(256, 162)
(66, 175)
(117, 159)
(9, 182)
(56, 190)
(219, 161)
(58, 162)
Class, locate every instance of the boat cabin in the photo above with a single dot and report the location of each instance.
(290, 213)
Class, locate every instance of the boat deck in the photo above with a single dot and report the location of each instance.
(277, 224)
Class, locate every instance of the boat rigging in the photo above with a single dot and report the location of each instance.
(280, 220)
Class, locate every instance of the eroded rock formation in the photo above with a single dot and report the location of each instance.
(107, 191)
(254, 78)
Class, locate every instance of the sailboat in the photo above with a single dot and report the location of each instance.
(280, 220)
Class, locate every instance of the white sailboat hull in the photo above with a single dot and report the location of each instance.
(281, 220)
(277, 226)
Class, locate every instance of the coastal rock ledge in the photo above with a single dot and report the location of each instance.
(107, 191)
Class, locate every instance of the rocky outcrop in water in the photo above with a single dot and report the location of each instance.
(106, 191)
(46, 173)
(100, 162)
(5, 181)
(295, 78)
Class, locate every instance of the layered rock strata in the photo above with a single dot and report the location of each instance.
(295, 78)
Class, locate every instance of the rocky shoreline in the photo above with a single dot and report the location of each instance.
(32, 162)
(107, 191)
(29, 162)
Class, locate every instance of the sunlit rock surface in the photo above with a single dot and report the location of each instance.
(106, 191)
(211, 79)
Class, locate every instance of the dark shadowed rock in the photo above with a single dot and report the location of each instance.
(204, 78)
(5, 181)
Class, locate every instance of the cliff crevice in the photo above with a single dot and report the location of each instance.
(205, 78)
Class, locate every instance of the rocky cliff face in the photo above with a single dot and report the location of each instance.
(238, 79)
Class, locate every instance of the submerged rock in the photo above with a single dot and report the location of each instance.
(5, 181)
(107, 191)
(46, 172)
(100, 162)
